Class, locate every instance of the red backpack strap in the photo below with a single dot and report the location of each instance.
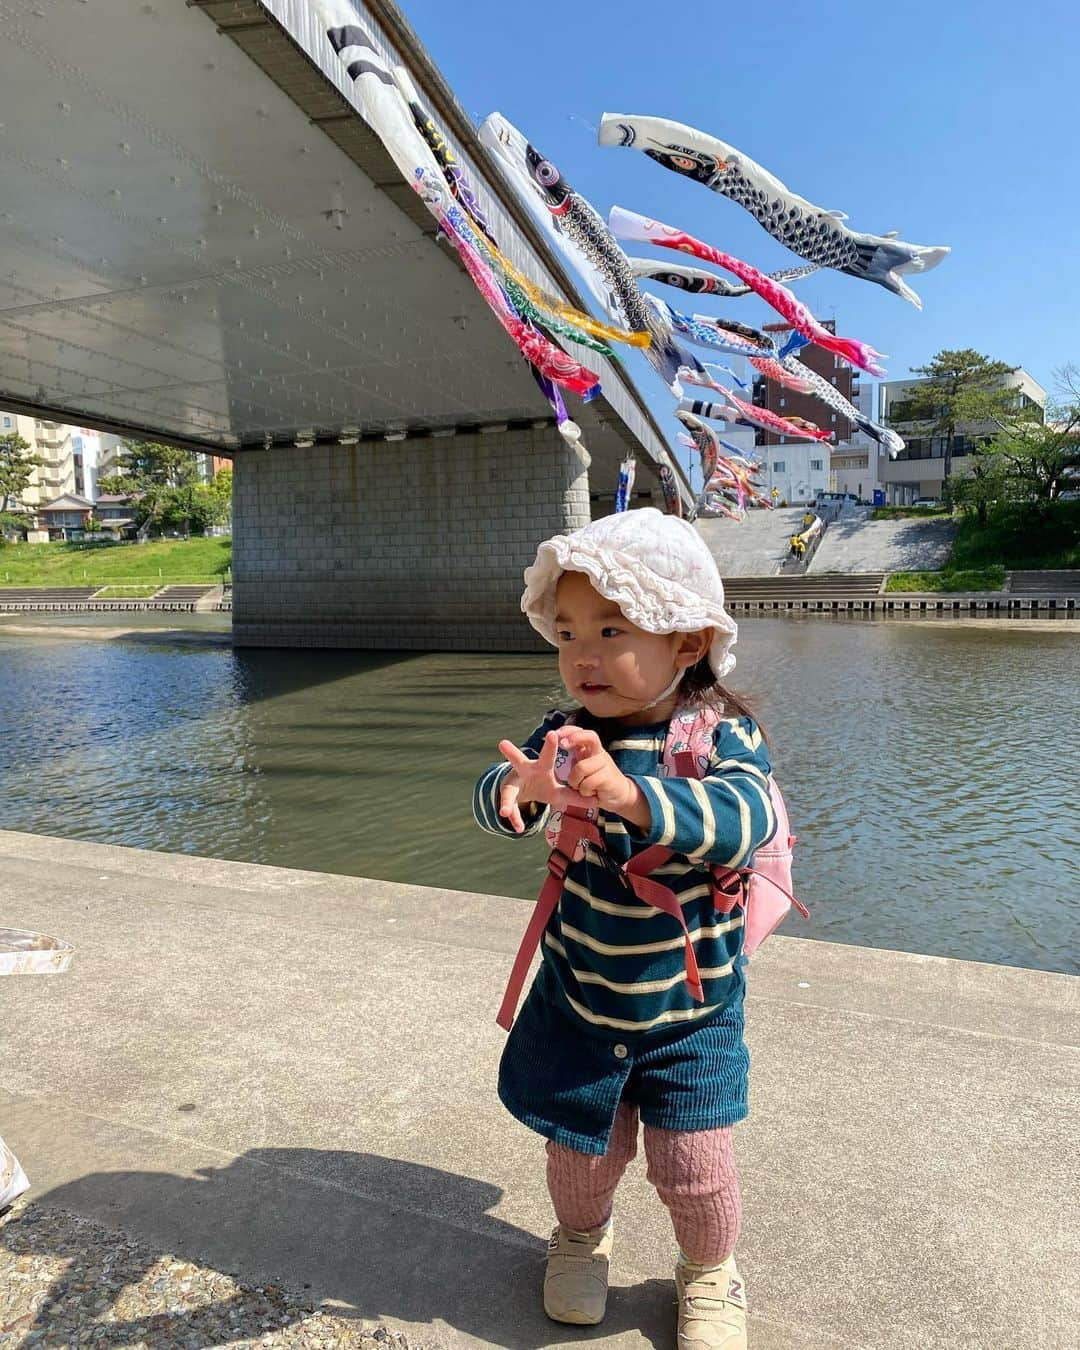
(772, 881)
(689, 740)
(636, 871)
(577, 825)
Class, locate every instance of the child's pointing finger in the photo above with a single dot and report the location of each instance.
(513, 755)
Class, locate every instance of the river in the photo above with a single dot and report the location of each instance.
(930, 768)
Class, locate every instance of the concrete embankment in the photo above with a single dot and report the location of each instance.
(290, 1076)
(102, 633)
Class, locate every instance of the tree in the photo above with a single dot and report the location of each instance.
(986, 483)
(199, 505)
(154, 476)
(1038, 452)
(941, 402)
(220, 498)
(222, 488)
(16, 470)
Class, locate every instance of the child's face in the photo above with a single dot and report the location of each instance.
(612, 667)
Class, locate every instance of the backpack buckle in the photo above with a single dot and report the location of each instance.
(729, 889)
(558, 863)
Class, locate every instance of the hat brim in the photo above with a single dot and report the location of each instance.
(653, 603)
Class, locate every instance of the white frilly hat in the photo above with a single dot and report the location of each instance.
(655, 567)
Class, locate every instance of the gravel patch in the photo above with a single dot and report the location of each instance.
(67, 1282)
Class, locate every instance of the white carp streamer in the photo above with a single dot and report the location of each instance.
(808, 230)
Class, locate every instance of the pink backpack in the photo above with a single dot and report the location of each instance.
(763, 891)
(767, 894)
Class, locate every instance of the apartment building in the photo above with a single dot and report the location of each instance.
(75, 459)
(919, 471)
(52, 443)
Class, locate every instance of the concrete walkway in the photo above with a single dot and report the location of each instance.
(289, 1076)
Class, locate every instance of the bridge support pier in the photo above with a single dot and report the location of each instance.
(398, 544)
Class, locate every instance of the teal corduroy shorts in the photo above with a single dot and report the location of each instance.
(562, 1079)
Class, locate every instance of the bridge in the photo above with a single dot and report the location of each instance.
(205, 243)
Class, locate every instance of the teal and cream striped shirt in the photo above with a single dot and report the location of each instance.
(620, 963)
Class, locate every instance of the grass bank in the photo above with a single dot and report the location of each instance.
(962, 579)
(1019, 540)
(160, 561)
(1011, 539)
(908, 512)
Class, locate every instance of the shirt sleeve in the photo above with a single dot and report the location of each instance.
(723, 817)
(485, 802)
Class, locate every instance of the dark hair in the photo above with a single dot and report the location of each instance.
(700, 685)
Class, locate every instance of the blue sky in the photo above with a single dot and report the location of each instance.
(954, 123)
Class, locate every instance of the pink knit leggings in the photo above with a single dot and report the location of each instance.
(693, 1172)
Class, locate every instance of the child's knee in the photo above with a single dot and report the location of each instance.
(690, 1163)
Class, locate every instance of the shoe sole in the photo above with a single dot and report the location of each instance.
(573, 1318)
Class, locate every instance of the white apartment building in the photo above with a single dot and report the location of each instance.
(798, 470)
(919, 471)
(856, 462)
(51, 441)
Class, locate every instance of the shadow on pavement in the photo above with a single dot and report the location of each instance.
(386, 1238)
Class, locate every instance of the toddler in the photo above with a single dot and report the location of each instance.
(636, 1013)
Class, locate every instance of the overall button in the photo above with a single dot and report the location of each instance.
(620, 1051)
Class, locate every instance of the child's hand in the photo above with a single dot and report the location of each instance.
(533, 780)
(599, 780)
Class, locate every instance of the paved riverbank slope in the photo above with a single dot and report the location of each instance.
(856, 543)
(289, 1076)
(756, 546)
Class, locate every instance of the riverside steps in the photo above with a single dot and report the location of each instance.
(1034, 595)
(290, 1076)
(168, 598)
(865, 592)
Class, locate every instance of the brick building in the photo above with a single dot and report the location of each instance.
(786, 403)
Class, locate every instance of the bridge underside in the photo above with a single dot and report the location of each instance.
(204, 243)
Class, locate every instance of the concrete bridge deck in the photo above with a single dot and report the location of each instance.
(289, 1075)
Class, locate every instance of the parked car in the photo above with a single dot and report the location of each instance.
(927, 501)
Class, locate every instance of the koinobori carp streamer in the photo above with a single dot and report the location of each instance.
(810, 231)
(698, 281)
(629, 225)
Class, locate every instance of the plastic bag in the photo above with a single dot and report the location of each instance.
(12, 1178)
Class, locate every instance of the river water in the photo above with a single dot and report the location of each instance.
(930, 768)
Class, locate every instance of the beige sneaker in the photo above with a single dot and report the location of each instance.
(575, 1282)
(712, 1306)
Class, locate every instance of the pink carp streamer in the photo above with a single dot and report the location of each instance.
(629, 225)
(735, 409)
(549, 360)
(729, 480)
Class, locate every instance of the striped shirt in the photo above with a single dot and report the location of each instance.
(618, 962)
